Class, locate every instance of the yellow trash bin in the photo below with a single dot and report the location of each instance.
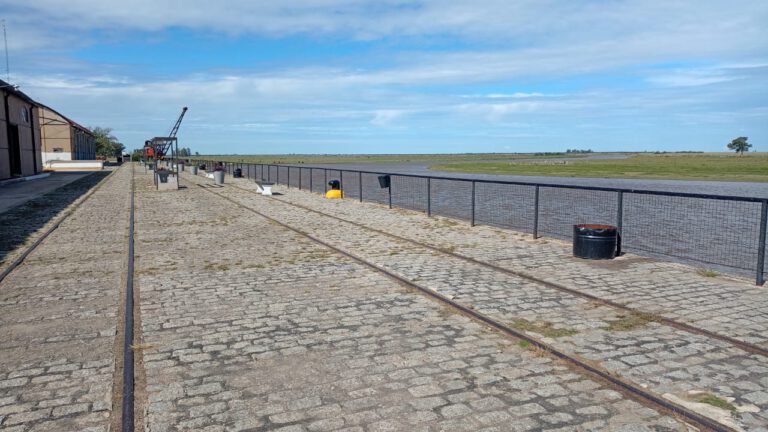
(334, 194)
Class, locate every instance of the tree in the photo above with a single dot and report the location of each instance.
(740, 145)
(107, 144)
(137, 155)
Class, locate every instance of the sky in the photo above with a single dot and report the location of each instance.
(398, 76)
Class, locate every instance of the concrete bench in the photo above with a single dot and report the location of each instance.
(265, 188)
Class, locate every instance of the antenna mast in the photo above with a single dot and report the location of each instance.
(7, 65)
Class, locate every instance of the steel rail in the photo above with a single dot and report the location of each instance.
(128, 420)
(20, 259)
(625, 386)
(746, 346)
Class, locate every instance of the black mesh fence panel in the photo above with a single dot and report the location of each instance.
(505, 205)
(351, 185)
(561, 208)
(371, 190)
(318, 180)
(272, 173)
(283, 175)
(452, 198)
(409, 192)
(306, 178)
(707, 231)
(293, 177)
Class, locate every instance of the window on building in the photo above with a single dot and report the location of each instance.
(25, 115)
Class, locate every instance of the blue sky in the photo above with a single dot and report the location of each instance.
(396, 76)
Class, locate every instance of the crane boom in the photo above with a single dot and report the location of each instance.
(175, 128)
(159, 147)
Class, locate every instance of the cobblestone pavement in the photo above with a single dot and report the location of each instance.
(723, 305)
(58, 314)
(684, 367)
(24, 224)
(246, 325)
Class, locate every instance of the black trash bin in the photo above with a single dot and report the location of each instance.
(592, 241)
(238, 173)
(163, 176)
(201, 167)
(334, 184)
(384, 181)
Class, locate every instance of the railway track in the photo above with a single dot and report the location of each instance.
(746, 346)
(128, 376)
(626, 387)
(20, 259)
(126, 385)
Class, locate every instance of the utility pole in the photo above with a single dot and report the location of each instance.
(7, 64)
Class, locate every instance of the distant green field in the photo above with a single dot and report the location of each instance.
(393, 158)
(751, 167)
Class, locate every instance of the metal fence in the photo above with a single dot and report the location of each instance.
(723, 232)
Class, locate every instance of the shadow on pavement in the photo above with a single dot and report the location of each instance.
(20, 223)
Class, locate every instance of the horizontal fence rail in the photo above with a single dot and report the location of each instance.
(728, 232)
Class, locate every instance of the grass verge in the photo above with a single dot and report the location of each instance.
(752, 167)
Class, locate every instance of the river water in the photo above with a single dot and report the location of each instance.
(744, 189)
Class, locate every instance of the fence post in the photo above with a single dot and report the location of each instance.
(269, 173)
(310, 181)
(536, 214)
(429, 196)
(289, 177)
(761, 243)
(300, 178)
(619, 220)
(389, 191)
(360, 184)
(341, 182)
(325, 180)
(472, 222)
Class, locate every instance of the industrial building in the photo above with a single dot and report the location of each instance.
(34, 137)
(20, 150)
(62, 138)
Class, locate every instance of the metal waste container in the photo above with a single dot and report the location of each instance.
(218, 177)
(593, 241)
(162, 175)
(384, 181)
(238, 173)
(334, 184)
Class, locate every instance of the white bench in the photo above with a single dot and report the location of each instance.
(265, 188)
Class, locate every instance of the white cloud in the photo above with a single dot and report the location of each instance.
(386, 117)
(700, 76)
(494, 86)
(690, 28)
